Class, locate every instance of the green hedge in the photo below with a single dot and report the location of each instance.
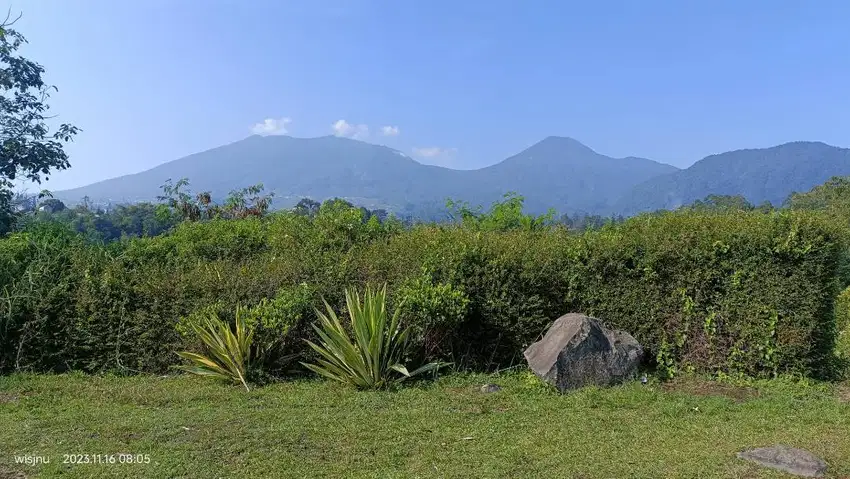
(742, 293)
(842, 319)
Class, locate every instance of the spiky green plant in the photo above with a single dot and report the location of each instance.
(228, 351)
(373, 359)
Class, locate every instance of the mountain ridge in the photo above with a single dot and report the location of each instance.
(330, 166)
(759, 174)
(557, 172)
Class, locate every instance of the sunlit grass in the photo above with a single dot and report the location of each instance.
(196, 428)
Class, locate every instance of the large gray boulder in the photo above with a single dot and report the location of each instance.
(579, 351)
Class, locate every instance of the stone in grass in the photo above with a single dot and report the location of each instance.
(787, 459)
(490, 388)
(579, 351)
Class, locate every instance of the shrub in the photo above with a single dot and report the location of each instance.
(842, 318)
(434, 311)
(38, 277)
(373, 359)
(505, 215)
(271, 320)
(740, 292)
(744, 292)
(227, 354)
(274, 318)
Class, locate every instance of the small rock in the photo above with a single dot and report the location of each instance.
(490, 388)
(788, 459)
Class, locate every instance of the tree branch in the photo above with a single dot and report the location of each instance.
(6, 22)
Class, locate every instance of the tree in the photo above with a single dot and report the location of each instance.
(242, 203)
(23, 202)
(722, 203)
(832, 196)
(247, 202)
(27, 149)
(503, 215)
(307, 207)
(381, 214)
(51, 205)
(583, 221)
(177, 197)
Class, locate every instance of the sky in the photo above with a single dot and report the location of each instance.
(462, 84)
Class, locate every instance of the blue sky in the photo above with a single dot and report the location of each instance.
(465, 83)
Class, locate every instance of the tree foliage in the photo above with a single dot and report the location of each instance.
(28, 150)
(587, 222)
(722, 203)
(103, 225)
(52, 204)
(503, 215)
(241, 203)
(833, 196)
(307, 207)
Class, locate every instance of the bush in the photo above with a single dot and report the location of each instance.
(434, 312)
(842, 319)
(743, 292)
(374, 357)
(37, 311)
(271, 321)
(226, 353)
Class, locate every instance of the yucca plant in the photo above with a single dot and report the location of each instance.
(373, 359)
(228, 351)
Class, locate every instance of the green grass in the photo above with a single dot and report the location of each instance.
(190, 427)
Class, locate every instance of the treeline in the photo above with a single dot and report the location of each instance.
(177, 203)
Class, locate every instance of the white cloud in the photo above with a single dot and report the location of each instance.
(272, 126)
(435, 155)
(433, 151)
(347, 130)
(389, 130)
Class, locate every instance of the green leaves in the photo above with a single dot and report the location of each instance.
(228, 351)
(505, 215)
(371, 358)
(27, 148)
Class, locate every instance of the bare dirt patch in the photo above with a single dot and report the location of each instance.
(843, 392)
(4, 399)
(712, 388)
(6, 473)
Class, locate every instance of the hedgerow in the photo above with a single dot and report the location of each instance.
(745, 292)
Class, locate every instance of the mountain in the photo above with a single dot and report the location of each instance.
(766, 174)
(564, 174)
(557, 172)
(290, 167)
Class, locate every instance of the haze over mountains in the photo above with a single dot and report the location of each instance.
(766, 174)
(557, 172)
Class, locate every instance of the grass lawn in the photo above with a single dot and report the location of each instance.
(190, 427)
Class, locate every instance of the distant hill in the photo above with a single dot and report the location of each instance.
(557, 172)
(766, 174)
